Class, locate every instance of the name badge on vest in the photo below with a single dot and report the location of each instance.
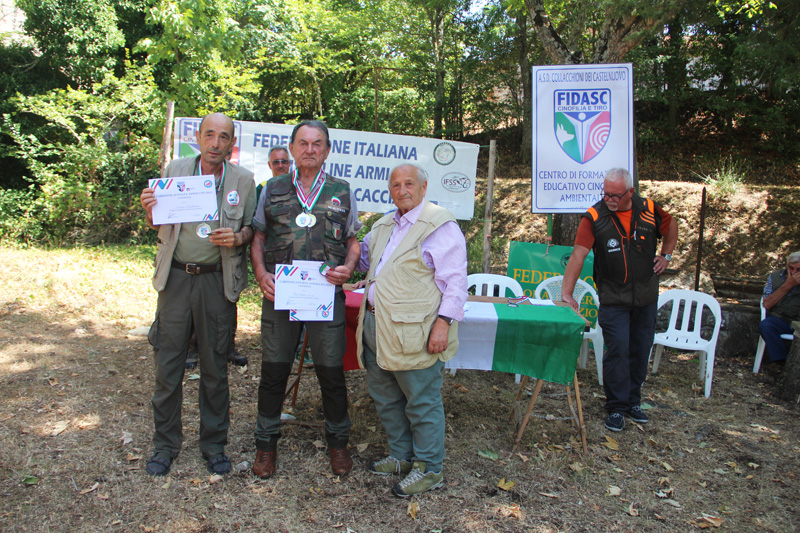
(233, 198)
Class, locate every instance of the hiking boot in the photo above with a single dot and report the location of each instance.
(389, 466)
(615, 421)
(236, 358)
(418, 481)
(341, 462)
(637, 415)
(264, 467)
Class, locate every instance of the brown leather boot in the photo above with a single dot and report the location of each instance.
(341, 463)
(264, 466)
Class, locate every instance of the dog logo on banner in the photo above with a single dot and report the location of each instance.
(582, 121)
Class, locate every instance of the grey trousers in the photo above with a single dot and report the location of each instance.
(409, 403)
(191, 300)
(279, 338)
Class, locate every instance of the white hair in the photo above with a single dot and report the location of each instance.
(617, 174)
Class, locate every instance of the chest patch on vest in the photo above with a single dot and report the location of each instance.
(233, 198)
(612, 245)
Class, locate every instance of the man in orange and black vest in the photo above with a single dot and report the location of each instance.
(623, 230)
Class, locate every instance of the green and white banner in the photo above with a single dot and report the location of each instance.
(532, 263)
(541, 342)
(362, 158)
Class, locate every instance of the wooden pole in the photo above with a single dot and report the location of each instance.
(487, 224)
(700, 241)
(375, 80)
(166, 143)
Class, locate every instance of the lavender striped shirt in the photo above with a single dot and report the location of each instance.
(444, 251)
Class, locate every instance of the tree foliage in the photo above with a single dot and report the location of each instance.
(82, 100)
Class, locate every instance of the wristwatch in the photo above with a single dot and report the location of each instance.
(668, 257)
(447, 319)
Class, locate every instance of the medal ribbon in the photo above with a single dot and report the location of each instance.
(221, 179)
(308, 202)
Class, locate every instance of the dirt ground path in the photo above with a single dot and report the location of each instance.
(75, 428)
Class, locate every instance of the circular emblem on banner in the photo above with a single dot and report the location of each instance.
(444, 153)
(613, 243)
(456, 182)
(564, 260)
(233, 198)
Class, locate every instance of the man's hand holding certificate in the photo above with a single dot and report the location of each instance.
(303, 289)
(184, 199)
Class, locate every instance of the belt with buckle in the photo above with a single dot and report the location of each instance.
(195, 268)
(370, 308)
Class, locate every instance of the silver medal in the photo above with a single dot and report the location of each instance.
(303, 220)
(203, 230)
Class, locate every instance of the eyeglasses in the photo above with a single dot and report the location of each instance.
(281, 162)
(617, 197)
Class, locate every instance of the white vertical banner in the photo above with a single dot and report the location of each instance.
(582, 127)
(364, 159)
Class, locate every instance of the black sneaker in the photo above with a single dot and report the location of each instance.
(637, 415)
(615, 421)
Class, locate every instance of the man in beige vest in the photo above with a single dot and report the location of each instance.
(201, 268)
(416, 287)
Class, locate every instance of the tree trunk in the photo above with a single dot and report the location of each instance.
(676, 75)
(523, 49)
(437, 40)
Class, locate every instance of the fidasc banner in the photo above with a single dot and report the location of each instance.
(583, 126)
(364, 159)
(531, 263)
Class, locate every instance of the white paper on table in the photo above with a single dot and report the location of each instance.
(184, 199)
(301, 288)
(534, 301)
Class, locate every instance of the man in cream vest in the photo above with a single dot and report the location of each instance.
(416, 287)
(201, 268)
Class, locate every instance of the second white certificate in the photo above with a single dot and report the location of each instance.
(301, 287)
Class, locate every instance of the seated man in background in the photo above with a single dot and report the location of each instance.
(782, 302)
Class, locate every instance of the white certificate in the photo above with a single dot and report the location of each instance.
(184, 199)
(302, 289)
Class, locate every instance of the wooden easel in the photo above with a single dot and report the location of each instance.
(294, 384)
(576, 417)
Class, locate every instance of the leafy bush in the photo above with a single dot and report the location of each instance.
(88, 154)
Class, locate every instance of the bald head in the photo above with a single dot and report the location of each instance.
(218, 116)
(216, 140)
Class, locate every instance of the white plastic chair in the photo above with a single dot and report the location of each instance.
(686, 334)
(762, 345)
(552, 287)
(485, 285)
